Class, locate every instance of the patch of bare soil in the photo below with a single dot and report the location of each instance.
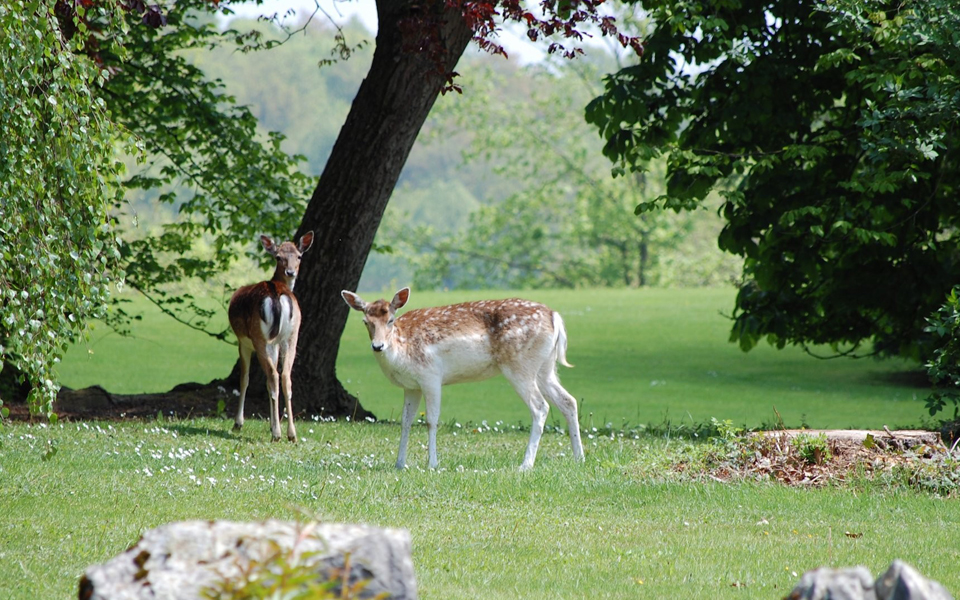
(817, 458)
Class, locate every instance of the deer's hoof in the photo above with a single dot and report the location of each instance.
(292, 438)
(237, 426)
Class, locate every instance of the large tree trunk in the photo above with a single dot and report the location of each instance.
(345, 211)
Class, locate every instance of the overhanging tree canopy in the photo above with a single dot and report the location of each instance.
(831, 129)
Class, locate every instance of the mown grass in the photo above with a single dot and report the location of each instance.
(641, 356)
(622, 525)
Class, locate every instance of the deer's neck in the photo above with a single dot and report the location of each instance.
(396, 346)
(279, 275)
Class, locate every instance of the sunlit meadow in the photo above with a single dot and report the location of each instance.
(627, 523)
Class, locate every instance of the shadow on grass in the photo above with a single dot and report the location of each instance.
(184, 430)
(912, 378)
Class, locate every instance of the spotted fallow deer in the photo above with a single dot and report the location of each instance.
(424, 349)
(266, 318)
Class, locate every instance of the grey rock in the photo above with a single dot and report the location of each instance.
(854, 583)
(181, 560)
(899, 582)
(903, 582)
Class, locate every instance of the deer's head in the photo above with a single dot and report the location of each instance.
(288, 256)
(378, 317)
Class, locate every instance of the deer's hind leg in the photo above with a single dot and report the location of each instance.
(287, 356)
(525, 384)
(549, 383)
(431, 400)
(269, 355)
(246, 353)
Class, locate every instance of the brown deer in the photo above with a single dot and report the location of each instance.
(266, 318)
(425, 349)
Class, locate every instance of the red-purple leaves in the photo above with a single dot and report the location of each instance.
(563, 18)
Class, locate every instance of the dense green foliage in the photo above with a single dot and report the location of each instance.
(228, 181)
(67, 78)
(944, 366)
(58, 176)
(831, 131)
(629, 522)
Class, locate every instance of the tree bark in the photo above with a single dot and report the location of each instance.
(346, 208)
(643, 260)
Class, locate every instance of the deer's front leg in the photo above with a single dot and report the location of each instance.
(431, 396)
(411, 402)
(287, 358)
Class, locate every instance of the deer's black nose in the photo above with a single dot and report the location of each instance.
(377, 347)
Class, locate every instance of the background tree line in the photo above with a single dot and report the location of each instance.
(506, 186)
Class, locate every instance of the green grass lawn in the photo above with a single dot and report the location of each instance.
(640, 356)
(622, 525)
(625, 524)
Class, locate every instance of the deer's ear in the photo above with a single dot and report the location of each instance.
(399, 299)
(306, 241)
(353, 301)
(268, 245)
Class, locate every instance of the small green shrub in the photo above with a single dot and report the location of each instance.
(813, 449)
(286, 574)
(934, 473)
(726, 431)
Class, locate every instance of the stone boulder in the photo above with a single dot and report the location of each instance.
(903, 582)
(899, 582)
(855, 583)
(183, 560)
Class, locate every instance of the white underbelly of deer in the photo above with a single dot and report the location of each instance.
(425, 349)
(451, 363)
(461, 361)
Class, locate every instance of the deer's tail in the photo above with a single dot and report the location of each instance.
(560, 343)
(274, 319)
